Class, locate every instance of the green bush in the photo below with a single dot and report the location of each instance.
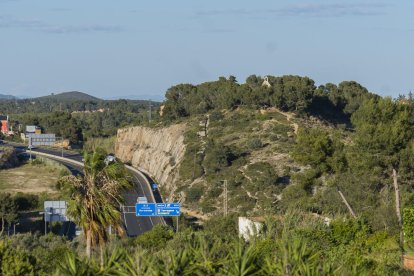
(281, 129)
(262, 176)
(216, 116)
(217, 157)
(194, 194)
(156, 238)
(26, 202)
(14, 261)
(255, 143)
(408, 223)
(222, 226)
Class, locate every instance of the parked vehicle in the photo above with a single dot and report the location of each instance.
(142, 199)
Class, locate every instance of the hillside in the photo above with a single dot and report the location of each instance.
(68, 96)
(286, 146)
(7, 97)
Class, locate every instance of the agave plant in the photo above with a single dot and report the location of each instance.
(74, 266)
(137, 264)
(206, 256)
(176, 262)
(242, 261)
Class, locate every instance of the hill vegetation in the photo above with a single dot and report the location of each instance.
(328, 168)
(6, 97)
(294, 145)
(67, 96)
(76, 116)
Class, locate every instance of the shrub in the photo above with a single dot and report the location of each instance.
(156, 238)
(262, 175)
(216, 116)
(217, 157)
(255, 143)
(26, 202)
(194, 194)
(222, 226)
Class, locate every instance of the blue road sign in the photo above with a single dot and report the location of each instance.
(157, 209)
(168, 209)
(154, 186)
(145, 209)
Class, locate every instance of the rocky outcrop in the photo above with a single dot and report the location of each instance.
(156, 151)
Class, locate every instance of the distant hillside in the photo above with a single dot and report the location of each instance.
(7, 97)
(69, 96)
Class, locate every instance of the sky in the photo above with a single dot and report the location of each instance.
(139, 49)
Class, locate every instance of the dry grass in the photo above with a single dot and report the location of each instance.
(29, 179)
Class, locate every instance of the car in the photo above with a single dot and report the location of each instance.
(30, 147)
(142, 200)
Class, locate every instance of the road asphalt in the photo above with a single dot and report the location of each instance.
(134, 225)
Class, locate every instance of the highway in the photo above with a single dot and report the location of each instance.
(134, 225)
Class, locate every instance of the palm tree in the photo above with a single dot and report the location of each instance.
(95, 197)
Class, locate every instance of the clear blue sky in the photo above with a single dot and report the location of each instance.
(109, 48)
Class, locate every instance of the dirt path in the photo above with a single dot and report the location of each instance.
(289, 116)
(194, 214)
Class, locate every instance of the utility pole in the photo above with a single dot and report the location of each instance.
(61, 144)
(225, 197)
(346, 203)
(177, 224)
(30, 148)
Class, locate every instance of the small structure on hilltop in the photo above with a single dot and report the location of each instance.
(266, 82)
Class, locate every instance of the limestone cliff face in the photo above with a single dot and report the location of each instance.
(157, 151)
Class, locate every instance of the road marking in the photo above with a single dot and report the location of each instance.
(126, 226)
(139, 186)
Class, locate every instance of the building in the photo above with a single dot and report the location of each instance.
(4, 123)
(33, 130)
(250, 227)
(266, 82)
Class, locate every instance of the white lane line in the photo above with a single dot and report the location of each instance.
(143, 192)
(139, 185)
(125, 220)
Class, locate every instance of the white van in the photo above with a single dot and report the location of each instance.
(142, 199)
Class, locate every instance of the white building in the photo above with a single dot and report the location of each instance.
(249, 227)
